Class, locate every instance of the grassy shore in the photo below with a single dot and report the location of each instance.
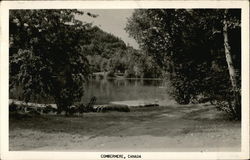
(170, 128)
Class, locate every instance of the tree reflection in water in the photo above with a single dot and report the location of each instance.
(107, 90)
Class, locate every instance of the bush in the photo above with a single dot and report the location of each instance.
(129, 74)
(111, 74)
(13, 107)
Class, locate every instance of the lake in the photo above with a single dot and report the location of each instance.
(117, 89)
(121, 89)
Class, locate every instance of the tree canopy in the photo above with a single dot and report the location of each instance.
(189, 44)
(46, 54)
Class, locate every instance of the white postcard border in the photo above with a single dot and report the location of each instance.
(4, 70)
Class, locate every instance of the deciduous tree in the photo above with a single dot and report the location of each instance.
(194, 47)
(46, 57)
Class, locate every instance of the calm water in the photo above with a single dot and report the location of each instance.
(107, 90)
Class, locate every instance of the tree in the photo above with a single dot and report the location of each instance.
(236, 109)
(46, 54)
(191, 44)
(225, 27)
(166, 35)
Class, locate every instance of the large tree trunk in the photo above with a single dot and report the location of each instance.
(231, 69)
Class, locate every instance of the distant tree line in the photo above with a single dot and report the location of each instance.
(200, 49)
(108, 53)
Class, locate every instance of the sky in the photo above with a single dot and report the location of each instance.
(112, 21)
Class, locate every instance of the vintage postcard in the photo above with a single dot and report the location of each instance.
(124, 80)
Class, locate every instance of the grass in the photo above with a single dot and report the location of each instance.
(176, 127)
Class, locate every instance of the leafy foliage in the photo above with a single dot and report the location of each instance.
(107, 53)
(46, 56)
(189, 45)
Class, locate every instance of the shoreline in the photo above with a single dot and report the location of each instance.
(172, 128)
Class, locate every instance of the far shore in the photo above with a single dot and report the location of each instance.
(123, 77)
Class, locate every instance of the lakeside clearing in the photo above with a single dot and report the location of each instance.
(171, 128)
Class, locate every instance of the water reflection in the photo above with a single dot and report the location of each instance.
(107, 90)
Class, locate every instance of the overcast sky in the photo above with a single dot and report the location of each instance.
(112, 21)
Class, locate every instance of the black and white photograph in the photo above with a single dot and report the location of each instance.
(134, 79)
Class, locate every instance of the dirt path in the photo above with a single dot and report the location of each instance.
(172, 128)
